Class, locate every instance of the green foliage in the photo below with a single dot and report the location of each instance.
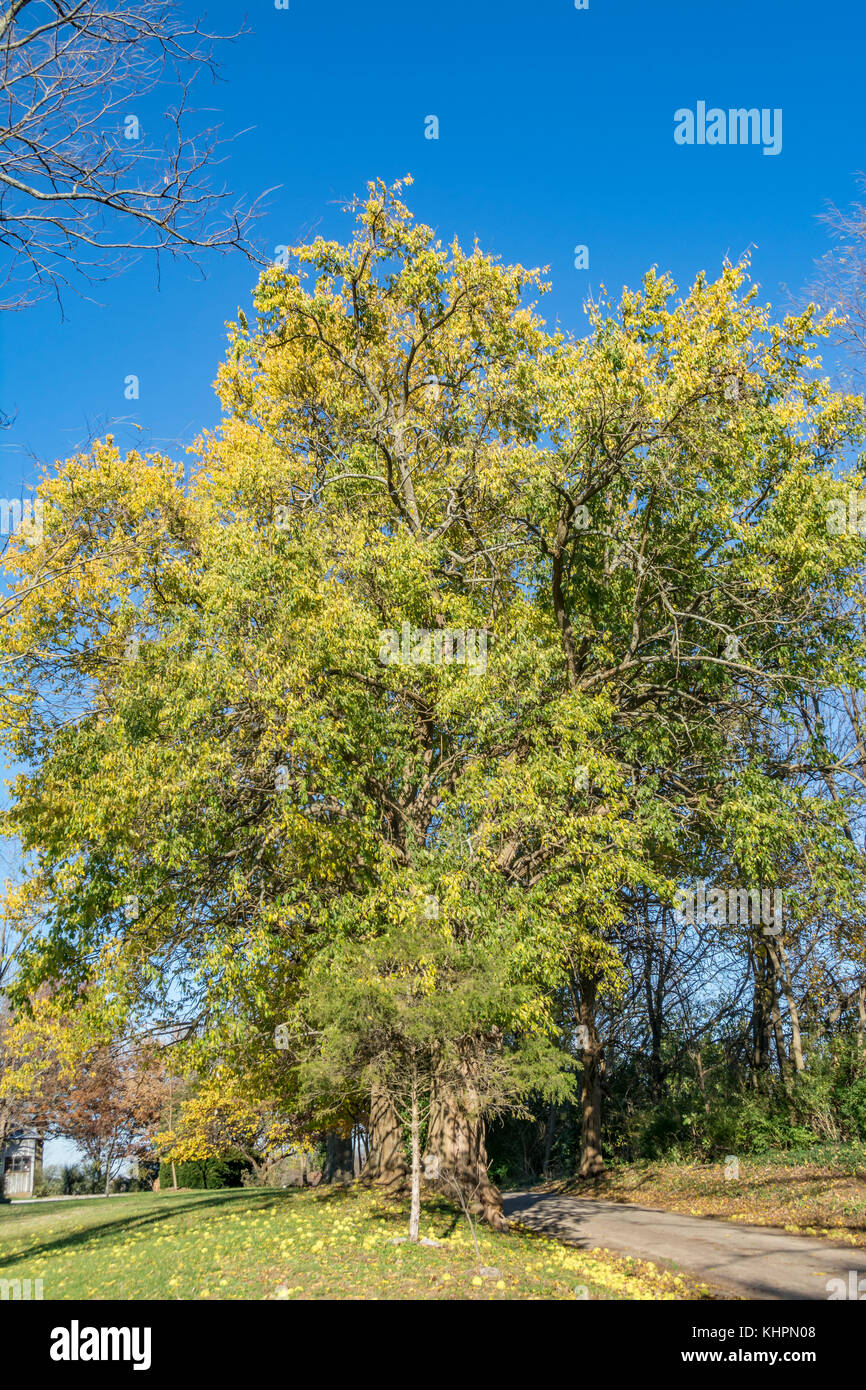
(276, 798)
(414, 1002)
(824, 1103)
(688, 1122)
(205, 1173)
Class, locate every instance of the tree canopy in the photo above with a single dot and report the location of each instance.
(450, 607)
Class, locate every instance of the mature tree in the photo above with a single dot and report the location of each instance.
(30, 1077)
(82, 180)
(221, 1117)
(111, 1107)
(66, 1072)
(238, 701)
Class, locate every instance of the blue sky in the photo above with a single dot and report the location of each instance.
(556, 128)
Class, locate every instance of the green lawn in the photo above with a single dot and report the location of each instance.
(290, 1244)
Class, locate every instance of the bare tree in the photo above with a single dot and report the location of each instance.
(18, 922)
(80, 182)
(841, 280)
(11, 941)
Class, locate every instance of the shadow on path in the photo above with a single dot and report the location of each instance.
(757, 1262)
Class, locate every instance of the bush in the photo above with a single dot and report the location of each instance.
(49, 1181)
(226, 1172)
(189, 1174)
(199, 1174)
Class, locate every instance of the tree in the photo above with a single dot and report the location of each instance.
(221, 1118)
(80, 184)
(453, 608)
(112, 1107)
(411, 1011)
(841, 280)
(30, 1079)
(20, 919)
(67, 1071)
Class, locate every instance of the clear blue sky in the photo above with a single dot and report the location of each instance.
(556, 128)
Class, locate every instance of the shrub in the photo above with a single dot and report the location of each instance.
(199, 1174)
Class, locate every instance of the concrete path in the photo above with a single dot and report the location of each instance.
(746, 1261)
(66, 1197)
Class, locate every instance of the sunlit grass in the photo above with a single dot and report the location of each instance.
(297, 1245)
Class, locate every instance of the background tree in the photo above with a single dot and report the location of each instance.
(221, 1118)
(82, 182)
(30, 1076)
(112, 1106)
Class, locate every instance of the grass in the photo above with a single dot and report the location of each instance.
(819, 1191)
(265, 1244)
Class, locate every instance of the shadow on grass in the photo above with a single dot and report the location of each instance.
(392, 1209)
(175, 1207)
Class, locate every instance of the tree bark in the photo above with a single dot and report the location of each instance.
(591, 1157)
(338, 1161)
(456, 1138)
(699, 1072)
(386, 1162)
(779, 962)
(6, 1122)
(779, 1036)
(109, 1159)
(415, 1139)
(761, 1022)
(550, 1132)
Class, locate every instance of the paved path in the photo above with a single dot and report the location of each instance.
(746, 1261)
(66, 1197)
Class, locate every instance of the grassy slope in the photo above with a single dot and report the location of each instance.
(820, 1191)
(289, 1244)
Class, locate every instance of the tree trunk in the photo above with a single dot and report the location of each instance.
(779, 961)
(552, 1116)
(780, 1039)
(591, 1157)
(415, 1139)
(171, 1127)
(456, 1138)
(6, 1122)
(338, 1162)
(386, 1162)
(528, 1170)
(109, 1159)
(699, 1072)
(761, 1022)
(656, 1067)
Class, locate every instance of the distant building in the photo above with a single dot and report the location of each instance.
(21, 1163)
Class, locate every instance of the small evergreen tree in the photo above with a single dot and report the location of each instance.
(412, 1009)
